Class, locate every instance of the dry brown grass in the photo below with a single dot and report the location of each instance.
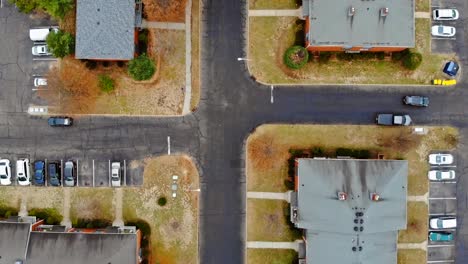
(412, 256)
(417, 226)
(268, 146)
(91, 203)
(272, 256)
(165, 10)
(68, 23)
(195, 55)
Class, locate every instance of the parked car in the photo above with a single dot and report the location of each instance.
(40, 81)
(441, 175)
(5, 172)
(451, 68)
(40, 34)
(443, 31)
(393, 120)
(40, 50)
(416, 100)
(22, 172)
(440, 159)
(445, 14)
(54, 173)
(115, 177)
(60, 121)
(39, 172)
(441, 236)
(69, 173)
(443, 222)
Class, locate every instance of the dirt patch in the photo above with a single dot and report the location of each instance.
(417, 226)
(165, 10)
(92, 203)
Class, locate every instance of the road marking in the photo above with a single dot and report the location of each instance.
(446, 38)
(444, 214)
(125, 173)
(440, 261)
(443, 230)
(442, 198)
(44, 59)
(435, 246)
(271, 95)
(443, 182)
(37, 89)
(77, 174)
(1, 3)
(109, 174)
(168, 145)
(61, 172)
(93, 173)
(46, 168)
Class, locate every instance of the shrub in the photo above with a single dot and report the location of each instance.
(398, 56)
(289, 184)
(380, 55)
(50, 215)
(162, 201)
(355, 153)
(366, 55)
(142, 225)
(106, 83)
(324, 56)
(412, 60)
(60, 43)
(25, 6)
(317, 152)
(91, 64)
(7, 211)
(141, 68)
(57, 8)
(346, 56)
(105, 64)
(92, 223)
(120, 64)
(296, 57)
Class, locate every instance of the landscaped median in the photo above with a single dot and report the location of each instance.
(270, 37)
(271, 150)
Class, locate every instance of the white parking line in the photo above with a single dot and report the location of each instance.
(46, 169)
(125, 173)
(168, 145)
(93, 173)
(109, 174)
(445, 230)
(271, 95)
(44, 59)
(442, 198)
(77, 172)
(441, 261)
(442, 214)
(443, 182)
(443, 245)
(443, 166)
(61, 172)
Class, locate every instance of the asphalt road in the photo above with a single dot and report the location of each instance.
(232, 105)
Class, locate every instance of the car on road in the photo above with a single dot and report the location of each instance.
(40, 50)
(40, 81)
(39, 172)
(393, 120)
(443, 222)
(416, 100)
(69, 173)
(451, 68)
(441, 236)
(54, 173)
(445, 14)
(441, 175)
(440, 159)
(115, 175)
(443, 31)
(60, 121)
(5, 172)
(22, 172)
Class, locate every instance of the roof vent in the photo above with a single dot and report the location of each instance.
(374, 197)
(351, 11)
(384, 11)
(342, 196)
(354, 248)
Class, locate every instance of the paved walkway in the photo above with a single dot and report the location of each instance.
(117, 202)
(422, 245)
(188, 58)
(422, 15)
(66, 208)
(279, 245)
(23, 207)
(162, 25)
(276, 12)
(269, 195)
(421, 198)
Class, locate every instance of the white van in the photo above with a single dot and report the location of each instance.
(40, 34)
(445, 14)
(22, 172)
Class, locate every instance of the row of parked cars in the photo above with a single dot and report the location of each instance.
(39, 36)
(441, 159)
(444, 15)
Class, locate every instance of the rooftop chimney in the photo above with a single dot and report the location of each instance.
(351, 11)
(384, 11)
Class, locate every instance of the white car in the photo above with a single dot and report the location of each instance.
(39, 81)
(5, 172)
(40, 50)
(445, 14)
(439, 175)
(440, 159)
(443, 222)
(22, 172)
(443, 31)
(115, 177)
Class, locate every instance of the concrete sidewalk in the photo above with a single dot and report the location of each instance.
(188, 58)
(269, 195)
(421, 198)
(162, 25)
(422, 15)
(422, 245)
(277, 245)
(276, 12)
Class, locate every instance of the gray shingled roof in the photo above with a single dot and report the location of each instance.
(330, 24)
(330, 223)
(13, 241)
(105, 29)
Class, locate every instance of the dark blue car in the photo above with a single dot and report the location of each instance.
(39, 172)
(451, 68)
(54, 173)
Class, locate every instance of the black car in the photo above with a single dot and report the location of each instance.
(451, 68)
(416, 100)
(54, 173)
(39, 172)
(60, 121)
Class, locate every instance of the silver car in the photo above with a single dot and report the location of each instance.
(115, 174)
(68, 174)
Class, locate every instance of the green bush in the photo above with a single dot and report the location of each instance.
(324, 56)
(162, 201)
(289, 184)
(92, 223)
(366, 55)
(50, 215)
(317, 152)
(380, 55)
(398, 56)
(7, 211)
(141, 225)
(354, 153)
(346, 56)
(412, 60)
(296, 57)
(55, 8)
(60, 43)
(141, 68)
(25, 6)
(106, 83)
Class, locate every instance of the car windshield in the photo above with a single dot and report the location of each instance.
(22, 178)
(3, 176)
(441, 30)
(454, 13)
(439, 223)
(68, 172)
(438, 174)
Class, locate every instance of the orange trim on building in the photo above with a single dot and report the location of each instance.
(35, 225)
(296, 179)
(356, 48)
(138, 238)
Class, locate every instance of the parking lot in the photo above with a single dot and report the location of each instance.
(442, 202)
(88, 172)
(449, 44)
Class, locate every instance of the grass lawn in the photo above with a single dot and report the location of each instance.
(412, 256)
(269, 37)
(91, 203)
(271, 256)
(195, 55)
(266, 221)
(274, 4)
(267, 149)
(417, 226)
(423, 5)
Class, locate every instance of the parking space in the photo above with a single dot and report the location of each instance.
(448, 44)
(440, 253)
